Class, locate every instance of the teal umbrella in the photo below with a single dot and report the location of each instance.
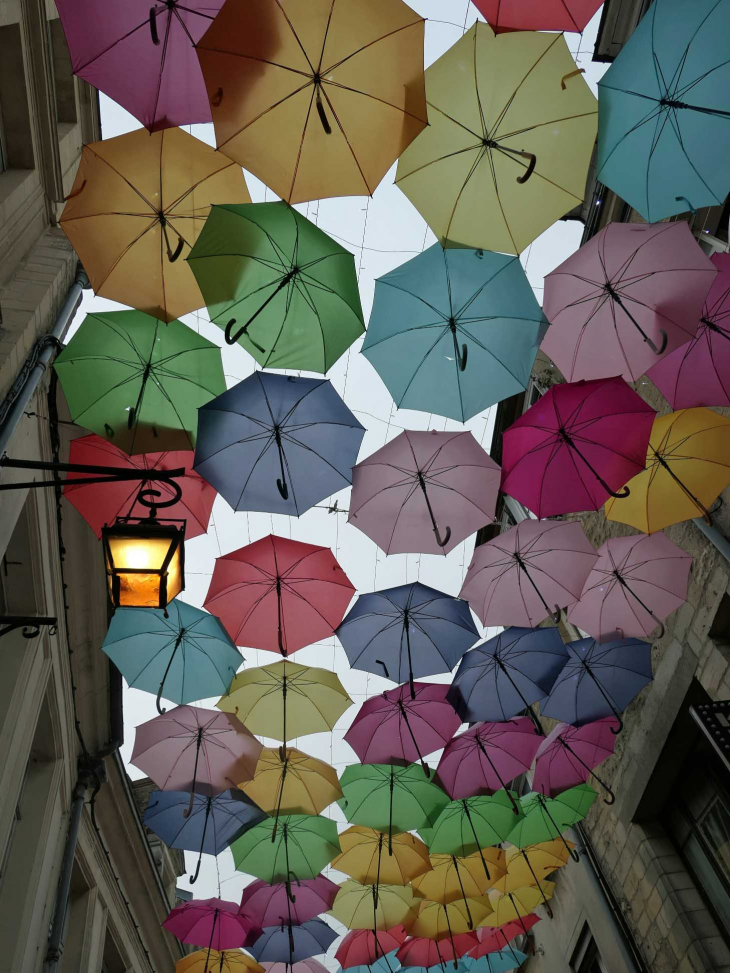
(454, 331)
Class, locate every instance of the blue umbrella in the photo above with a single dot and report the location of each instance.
(288, 943)
(182, 654)
(277, 443)
(599, 679)
(406, 632)
(209, 826)
(389, 963)
(454, 331)
(502, 677)
(664, 111)
(499, 962)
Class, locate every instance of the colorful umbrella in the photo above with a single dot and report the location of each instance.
(277, 430)
(408, 631)
(438, 921)
(513, 905)
(635, 583)
(212, 923)
(546, 818)
(287, 943)
(629, 294)
(687, 467)
(576, 447)
(472, 823)
(422, 484)
(455, 877)
(269, 905)
(313, 101)
(533, 864)
(528, 572)
(511, 131)
(213, 961)
(568, 756)
(308, 965)
(662, 102)
(572, 15)
(499, 962)
(384, 964)
(454, 331)
(278, 594)
(287, 781)
(134, 380)
(375, 906)
(365, 857)
(362, 947)
(137, 205)
(421, 952)
(298, 846)
(494, 940)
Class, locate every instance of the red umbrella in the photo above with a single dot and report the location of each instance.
(363, 947)
(494, 940)
(212, 923)
(504, 15)
(576, 447)
(568, 755)
(278, 594)
(419, 951)
(102, 503)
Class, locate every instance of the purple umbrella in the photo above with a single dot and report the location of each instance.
(568, 755)
(300, 901)
(141, 53)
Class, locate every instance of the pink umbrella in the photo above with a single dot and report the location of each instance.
(424, 492)
(576, 447)
(212, 923)
(494, 940)
(295, 902)
(302, 966)
(568, 755)
(635, 583)
(504, 15)
(363, 947)
(698, 373)
(629, 294)
(419, 951)
(397, 727)
(522, 576)
(487, 757)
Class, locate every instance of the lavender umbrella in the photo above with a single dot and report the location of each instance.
(569, 754)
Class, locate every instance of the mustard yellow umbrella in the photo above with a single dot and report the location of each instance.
(513, 905)
(212, 961)
(687, 467)
(532, 864)
(287, 781)
(375, 906)
(453, 878)
(437, 920)
(366, 857)
(512, 126)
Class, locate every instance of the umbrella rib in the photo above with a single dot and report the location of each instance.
(144, 23)
(366, 94)
(124, 252)
(124, 179)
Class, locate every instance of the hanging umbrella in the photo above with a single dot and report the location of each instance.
(528, 572)
(511, 131)
(278, 594)
(577, 446)
(423, 953)
(365, 857)
(363, 947)
(287, 943)
(286, 698)
(687, 467)
(137, 205)
(278, 285)
(308, 965)
(521, 902)
(213, 961)
(211, 923)
(500, 962)
(422, 484)
(487, 757)
(408, 631)
(635, 583)
(298, 846)
(455, 877)
(438, 921)
(134, 380)
(375, 906)
(288, 781)
(209, 828)
(268, 905)
(629, 294)
(546, 818)
(533, 864)
(384, 964)
(495, 940)
(698, 372)
(185, 656)
(571, 15)
(662, 102)
(510, 672)
(472, 823)
(599, 680)
(568, 756)
(454, 331)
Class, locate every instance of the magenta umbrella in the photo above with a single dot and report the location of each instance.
(628, 295)
(424, 492)
(295, 902)
(400, 727)
(568, 755)
(141, 53)
(635, 583)
(529, 572)
(576, 447)
(212, 923)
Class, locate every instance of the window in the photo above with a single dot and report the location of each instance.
(16, 139)
(586, 958)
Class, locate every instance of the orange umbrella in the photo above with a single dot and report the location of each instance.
(137, 205)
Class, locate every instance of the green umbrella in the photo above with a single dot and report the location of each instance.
(545, 818)
(278, 285)
(472, 823)
(138, 381)
(296, 848)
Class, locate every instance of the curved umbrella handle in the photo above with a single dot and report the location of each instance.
(322, 114)
(620, 725)
(172, 257)
(570, 74)
(283, 489)
(217, 98)
(620, 496)
(531, 167)
(385, 668)
(462, 357)
(558, 614)
(442, 542)
(193, 878)
(662, 347)
(161, 710)
(153, 28)
(76, 192)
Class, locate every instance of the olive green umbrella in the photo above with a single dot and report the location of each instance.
(375, 906)
(546, 818)
(296, 847)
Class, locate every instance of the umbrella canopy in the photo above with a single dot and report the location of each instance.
(533, 864)
(408, 631)
(511, 131)
(546, 818)
(454, 331)
(576, 446)
(570, 15)
(137, 205)
(295, 434)
(635, 583)
(529, 571)
(384, 964)
(362, 947)
(424, 492)
(472, 823)
(134, 380)
(375, 906)
(286, 698)
(499, 962)
(513, 905)
(438, 921)
(424, 953)
(494, 940)
(278, 594)
(269, 905)
(687, 467)
(568, 756)
(664, 99)
(365, 857)
(288, 781)
(308, 965)
(455, 877)
(213, 961)
(296, 847)
(316, 102)
(212, 923)
(287, 943)
(629, 294)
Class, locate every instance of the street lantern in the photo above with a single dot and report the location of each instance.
(145, 562)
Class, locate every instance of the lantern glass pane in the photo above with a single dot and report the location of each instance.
(139, 588)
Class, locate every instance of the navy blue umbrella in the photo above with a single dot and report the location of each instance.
(502, 677)
(211, 825)
(288, 943)
(599, 679)
(406, 632)
(277, 443)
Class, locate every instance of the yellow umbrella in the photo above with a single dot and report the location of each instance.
(211, 961)
(438, 921)
(532, 864)
(454, 878)
(687, 467)
(375, 906)
(511, 131)
(299, 784)
(137, 206)
(520, 902)
(366, 858)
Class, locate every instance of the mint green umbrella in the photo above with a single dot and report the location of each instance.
(472, 823)
(546, 818)
(296, 847)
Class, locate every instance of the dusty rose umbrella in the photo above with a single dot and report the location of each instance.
(363, 947)
(422, 952)
(529, 572)
(295, 902)
(424, 492)
(301, 966)
(569, 754)
(494, 940)
(212, 923)
(635, 583)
